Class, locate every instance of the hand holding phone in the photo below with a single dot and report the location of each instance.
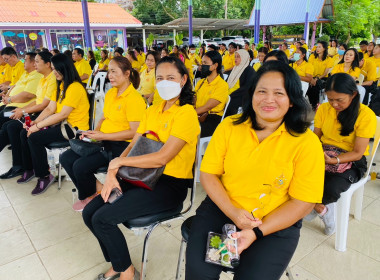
(115, 195)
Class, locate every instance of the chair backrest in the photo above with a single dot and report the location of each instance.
(361, 93)
(92, 111)
(225, 107)
(305, 87)
(100, 76)
(195, 174)
(361, 79)
(374, 147)
(225, 77)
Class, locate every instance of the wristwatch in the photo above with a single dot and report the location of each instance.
(10, 100)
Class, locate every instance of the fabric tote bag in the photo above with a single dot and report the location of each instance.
(143, 177)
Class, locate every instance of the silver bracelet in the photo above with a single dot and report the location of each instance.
(337, 158)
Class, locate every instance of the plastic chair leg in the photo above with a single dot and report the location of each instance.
(358, 203)
(289, 273)
(145, 251)
(59, 176)
(181, 258)
(342, 216)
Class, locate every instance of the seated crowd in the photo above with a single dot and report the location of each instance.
(264, 170)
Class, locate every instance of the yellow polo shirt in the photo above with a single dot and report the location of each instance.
(332, 51)
(305, 47)
(156, 98)
(326, 120)
(195, 57)
(189, 67)
(83, 67)
(287, 52)
(141, 59)
(136, 65)
(336, 59)
(377, 63)
(143, 68)
(46, 88)
(255, 53)
(120, 110)
(339, 68)
(5, 73)
(228, 61)
(104, 63)
(147, 82)
(178, 121)
(256, 66)
(261, 176)
(235, 87)
(303, 69)
(27, 82)
(369, 70)
(217, 89)
(17, 71)
(320, 65)
(76, 98)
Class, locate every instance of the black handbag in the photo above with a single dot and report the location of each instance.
(143, 177)
(85, 149)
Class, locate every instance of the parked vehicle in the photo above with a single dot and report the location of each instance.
(235, 39)
(196, 40)
(217, 40)
(209, 42)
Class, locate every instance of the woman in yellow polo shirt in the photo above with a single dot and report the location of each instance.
(211, 93)
(303, 68)
(344, 126)
(262, 171)
(103, 63)
(147, 77)
(175, 122)
(333, 48)
(70, 103)
(122, 113)
(10, 131)
(262, 52)
(188, 63)
(133, 60)
(349, 64)
(371, 46)
(340, 53)
(322, 64)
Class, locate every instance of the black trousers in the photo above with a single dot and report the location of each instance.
(209, 125)
(102, 218)
(369, 91)
(10, 134)
(266, 258)
(4, 109)
(34, 154)
(82, 169)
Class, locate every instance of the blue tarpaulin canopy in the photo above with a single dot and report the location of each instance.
(280, 12)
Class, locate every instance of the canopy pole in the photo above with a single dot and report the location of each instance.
(48, 39)
(125, 39)
(201, 36)
(174, 33)
(144, 40)
(264, 33)
(306, 29)
(86, 21)
(313, 36)
(190, 22)
(257, 21)
(320, 30)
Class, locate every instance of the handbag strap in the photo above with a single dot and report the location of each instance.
(63, 129)
(152, 133)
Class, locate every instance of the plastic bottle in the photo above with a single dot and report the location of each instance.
(28, 121)
(51, 161)
(373, 171)
(75, 195)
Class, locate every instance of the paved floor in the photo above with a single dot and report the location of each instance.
(41, 237)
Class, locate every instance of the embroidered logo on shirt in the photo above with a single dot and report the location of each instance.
(280, 181)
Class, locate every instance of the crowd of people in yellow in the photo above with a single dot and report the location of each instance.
(264, 170)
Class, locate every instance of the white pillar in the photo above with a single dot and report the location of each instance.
(320, 30)
(144, 40)
(174, 33)
(201, 36)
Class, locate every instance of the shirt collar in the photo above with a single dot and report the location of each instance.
(127, 91)
(172, 109)
(214, 81)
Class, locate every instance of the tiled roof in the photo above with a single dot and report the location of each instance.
(49, 11)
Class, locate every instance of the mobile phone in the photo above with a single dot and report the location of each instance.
(81, 131)
(115, 195)
(89, 140)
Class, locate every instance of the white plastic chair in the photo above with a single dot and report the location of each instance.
(361, 93)
(361, 79)
(204, 142)
(225, 77)
(343, 204)
(305, 87)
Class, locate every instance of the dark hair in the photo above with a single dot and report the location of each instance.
(223, 44)
(216, 58)
(65, 66)
(246, 42)
(45, 56)
(68, 53)
(124, 64)
(55, 51)
(296, 118)
(251, 56)
(119, 50)
(263, 50)
(106, 53)
(166, 50)
(344, 83)
(285, 44)
(91, 53)
(335, 41)
(175, 46)
(184, 53)
(133, 55)
(233, 45)
(155, 54)
(354, 63)
(253, 44)
(360, 56)
(280, 55)
(304, 52)
(203, 49)
(268, 43)
(212, 46)
(239, 46)
(192, 46)
(79, 51)
(187, 95)
(364, 42)
(344, 46)
(8, 51)
(32, 55)
(325, 53)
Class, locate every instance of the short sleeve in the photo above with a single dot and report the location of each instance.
(51, 89)
(309, 69)
(142, 126)
(309, 171)
(221, 91)
(371, 71)
(185, 124)
(87, 68)
(213, 160)
(320, 115)
(356, 73)
(335, 69)
(32, 84)
(73, 95)
(330, 63)
(366, 123)
(135, 107)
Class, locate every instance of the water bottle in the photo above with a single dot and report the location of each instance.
(373, 171)
(51, 161)
(75, 195)
(28, 121)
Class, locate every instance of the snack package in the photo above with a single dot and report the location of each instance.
(222, 248)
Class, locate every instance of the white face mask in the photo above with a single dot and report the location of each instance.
(168, 89)
(192, 51)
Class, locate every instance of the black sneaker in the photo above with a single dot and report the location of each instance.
(13, 172)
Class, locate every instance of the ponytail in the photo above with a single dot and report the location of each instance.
(124, 64)
(134, 78)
